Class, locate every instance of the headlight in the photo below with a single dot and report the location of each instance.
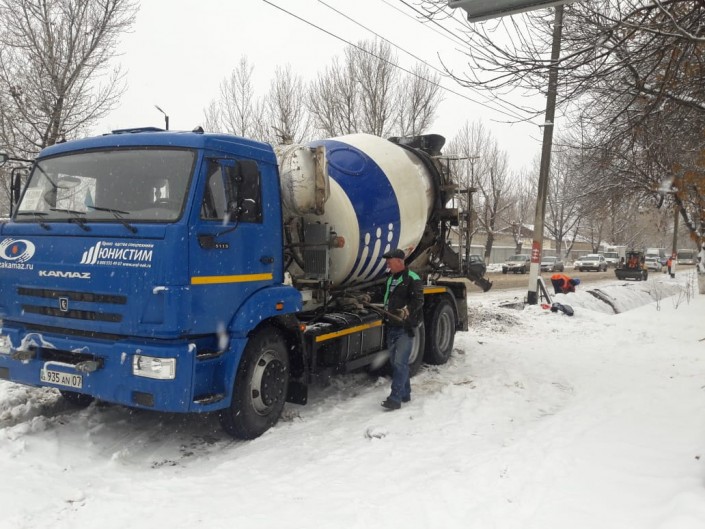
(152, 367)
(5, 344)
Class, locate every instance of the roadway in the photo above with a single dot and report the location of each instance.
(502, 281)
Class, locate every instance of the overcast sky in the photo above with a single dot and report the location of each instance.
(179, 52)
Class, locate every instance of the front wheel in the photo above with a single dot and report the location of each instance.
(440, 332)
(260, 388)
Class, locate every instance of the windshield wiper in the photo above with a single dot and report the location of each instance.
(38, 216)
(77, 219)
(118, 215)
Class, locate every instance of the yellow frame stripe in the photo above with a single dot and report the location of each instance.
(434, 290)
(351, 330)
(243, 278)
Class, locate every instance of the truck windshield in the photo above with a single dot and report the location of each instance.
(148, 185)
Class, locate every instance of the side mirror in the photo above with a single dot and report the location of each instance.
(3, 158)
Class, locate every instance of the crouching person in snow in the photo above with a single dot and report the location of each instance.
(562, 284)
(403, 299)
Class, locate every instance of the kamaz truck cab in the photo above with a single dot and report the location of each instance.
(135, 261)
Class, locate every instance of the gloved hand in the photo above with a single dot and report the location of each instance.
(402, 313)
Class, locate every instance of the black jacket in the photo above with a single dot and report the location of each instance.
(405, 289)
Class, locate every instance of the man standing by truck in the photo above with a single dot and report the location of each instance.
(403, 299)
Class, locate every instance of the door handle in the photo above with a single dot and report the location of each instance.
(265, 259)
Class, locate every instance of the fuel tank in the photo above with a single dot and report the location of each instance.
(374, 193)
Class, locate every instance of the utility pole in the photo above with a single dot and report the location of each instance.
(464, 220)
(468, 221)
(537, 246)
(676, 218)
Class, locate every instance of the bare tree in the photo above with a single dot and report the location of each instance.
(287, 117)
(366, 92)
(237, 110)
(484, 166)
(564, 210)
(521, 200)
(376, 75)
(333, 100)
(55, 73)
(419, 94)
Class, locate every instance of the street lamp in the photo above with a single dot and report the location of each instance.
(166, 118)
(479, 10)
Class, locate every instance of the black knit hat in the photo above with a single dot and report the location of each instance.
(394, 254)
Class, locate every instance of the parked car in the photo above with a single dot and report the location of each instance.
(591, 261)
(653, 263)
(519, 264)
(552, 264)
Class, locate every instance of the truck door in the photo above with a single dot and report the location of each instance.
(232, 255)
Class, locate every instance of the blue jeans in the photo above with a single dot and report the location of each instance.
(399, 344)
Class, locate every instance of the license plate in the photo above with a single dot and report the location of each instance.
(62, 379)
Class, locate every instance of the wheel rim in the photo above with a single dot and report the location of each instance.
(268, 382)
(444, 330)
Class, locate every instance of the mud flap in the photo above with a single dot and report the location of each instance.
(297, 392)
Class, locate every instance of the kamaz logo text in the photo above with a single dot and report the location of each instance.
(69, 275)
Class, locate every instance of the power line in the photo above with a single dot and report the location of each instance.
(381, 37)
(508, 114)
(454, 39)
(498, 101)
(435, 22)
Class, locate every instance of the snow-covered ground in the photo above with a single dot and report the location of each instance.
(539, 420)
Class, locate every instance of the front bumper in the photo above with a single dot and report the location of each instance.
(105, 368)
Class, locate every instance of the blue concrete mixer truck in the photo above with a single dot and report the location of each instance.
(194, 272)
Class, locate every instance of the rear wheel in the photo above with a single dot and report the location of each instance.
(80, 400)
(417, 350)
(260, 386)
(440, 332)
(416, 357)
